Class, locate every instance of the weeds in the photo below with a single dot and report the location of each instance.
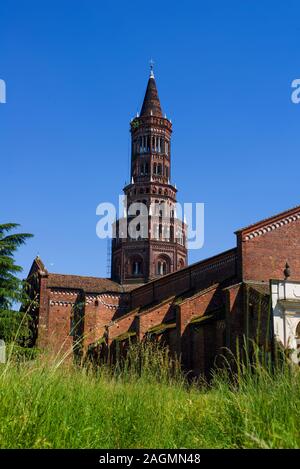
(145, 402)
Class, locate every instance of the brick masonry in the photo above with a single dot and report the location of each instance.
(230, 291)
(265, 248)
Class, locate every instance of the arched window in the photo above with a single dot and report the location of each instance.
(154, 168)
(136, 268)
(136, 264)
(163, 265)
(159, 168)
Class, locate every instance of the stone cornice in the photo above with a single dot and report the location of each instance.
(61, 303)
(102, 299)
(64, 292)
(269, 227)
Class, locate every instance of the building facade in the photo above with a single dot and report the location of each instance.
(196, 311)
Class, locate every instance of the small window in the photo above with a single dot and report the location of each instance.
(137, 268)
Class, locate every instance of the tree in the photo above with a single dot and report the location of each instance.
(12, 288)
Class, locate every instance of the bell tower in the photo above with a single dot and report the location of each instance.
(159, 245)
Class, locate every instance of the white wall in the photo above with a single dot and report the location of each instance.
(286, 314)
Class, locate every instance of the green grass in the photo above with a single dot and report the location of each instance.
(49, 404)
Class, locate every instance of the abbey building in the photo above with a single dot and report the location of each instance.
(249, 292)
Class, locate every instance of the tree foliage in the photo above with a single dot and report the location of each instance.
(12, 289)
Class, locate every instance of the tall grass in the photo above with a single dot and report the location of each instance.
(55, 404)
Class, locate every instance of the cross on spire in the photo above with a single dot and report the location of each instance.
(151, 62)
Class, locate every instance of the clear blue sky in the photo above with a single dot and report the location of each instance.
(76, 73)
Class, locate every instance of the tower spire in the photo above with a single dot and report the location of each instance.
(151, 104)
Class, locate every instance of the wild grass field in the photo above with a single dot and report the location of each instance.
(54, 404)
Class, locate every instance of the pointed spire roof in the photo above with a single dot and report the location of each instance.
(151, 104)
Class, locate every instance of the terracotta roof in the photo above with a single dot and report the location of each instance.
(79, 282)
(151, 104)
(36, 266)
(87, 284)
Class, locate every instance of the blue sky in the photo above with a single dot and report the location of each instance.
(76, 74)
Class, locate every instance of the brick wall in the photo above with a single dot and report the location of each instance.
(234, 315)
(99, 311)
(263, 254)
(43, 313)
(57, 336)
(128, 322)
(160, 314)
(199, 275)
(189, 347)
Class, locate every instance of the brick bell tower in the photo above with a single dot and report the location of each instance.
(159, 246)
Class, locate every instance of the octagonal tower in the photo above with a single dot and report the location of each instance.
(159, 246)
